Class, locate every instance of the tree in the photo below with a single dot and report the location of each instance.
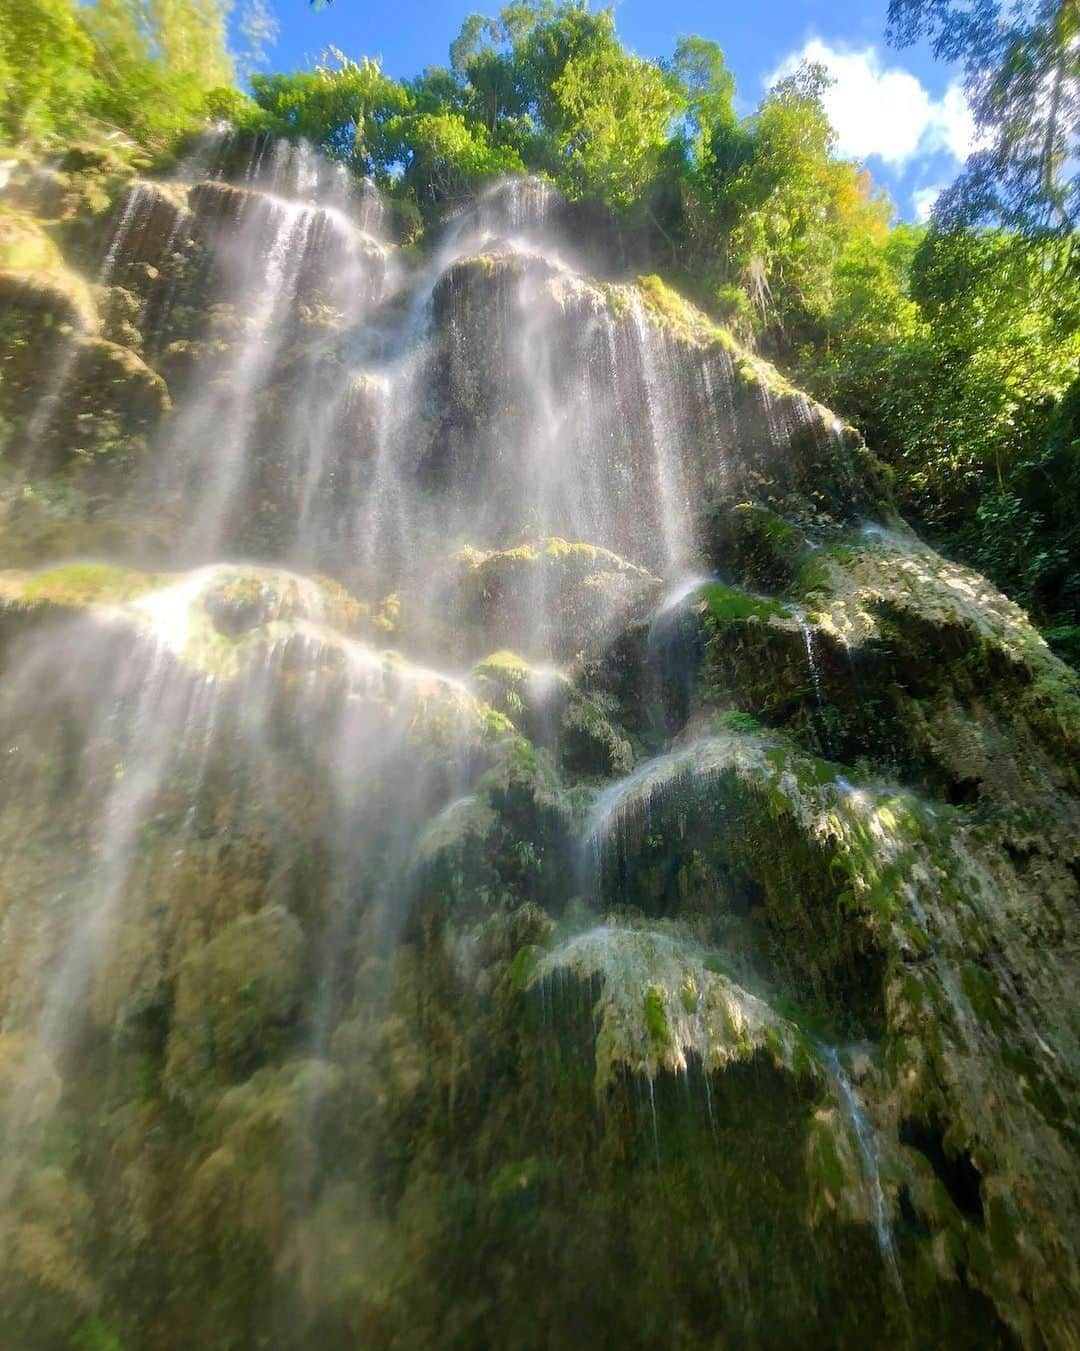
(1021, 64)
(708, 88)
(144, 68)
(445, 157)
(615, 113)
(349, 109)
(46, 68)
(789, 207)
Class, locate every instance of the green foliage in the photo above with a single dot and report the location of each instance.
(615, 112)
(48, 92)
(794, 209)
(707, 87)
(145, 69)
(553, 84)
(957, 352)
(1021, 64)
(344, 107)
(449, 157)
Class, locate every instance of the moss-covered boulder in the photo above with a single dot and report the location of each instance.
(547, 706)
(551, 596)
(233, 996)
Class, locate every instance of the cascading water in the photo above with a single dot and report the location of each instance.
(868, 1152)
(811, 660)
(408, 704)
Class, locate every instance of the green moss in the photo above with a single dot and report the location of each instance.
(523, 966)
(80, 584)
(775, 1043)
(1035, 1085)
(618, 298)
(826, 1170)
(981, 990)
(233, 994)
(94, 1335)
(728, 605)
(753, 545)
(1003, 1227)
(719, 966)
(36, 288)
(679, 316)
(655, 1018)
(494, 724)
(25, 246)
(688, 994)
(735, 720)
(913, 992)
(814, 1022)
(504, 665)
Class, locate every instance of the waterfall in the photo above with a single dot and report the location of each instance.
(341, 738)
(661, 386)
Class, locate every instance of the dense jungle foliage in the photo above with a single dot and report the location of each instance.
(955, 347)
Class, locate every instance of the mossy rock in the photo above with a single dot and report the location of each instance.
(955, 669)
(79, 585)
(234, 997)
(40, 302)
(509, 842)
(589, 592)
(659, 1007)
(25, 247)
(754, 546)
(546, 705)
(98, 408)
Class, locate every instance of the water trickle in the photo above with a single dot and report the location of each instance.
(519, 206)
(652, 1112)
(129, 216)
(812, 661)
(866, 1140)
(682, 590)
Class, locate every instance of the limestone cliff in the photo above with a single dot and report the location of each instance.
(505, 839)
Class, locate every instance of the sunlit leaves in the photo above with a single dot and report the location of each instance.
(616, 113)
(342, 106)
(46, 64)
(1021, 65)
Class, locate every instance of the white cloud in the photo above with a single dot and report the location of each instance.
(885, 111)
(954, 125)
(923, 199)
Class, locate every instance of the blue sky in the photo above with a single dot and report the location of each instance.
(900, 112)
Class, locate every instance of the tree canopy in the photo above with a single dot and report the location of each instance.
(1021, 63)
(142, 68)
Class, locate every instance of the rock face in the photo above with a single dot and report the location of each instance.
(510, 843)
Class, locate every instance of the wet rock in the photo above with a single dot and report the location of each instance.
(232, 997)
